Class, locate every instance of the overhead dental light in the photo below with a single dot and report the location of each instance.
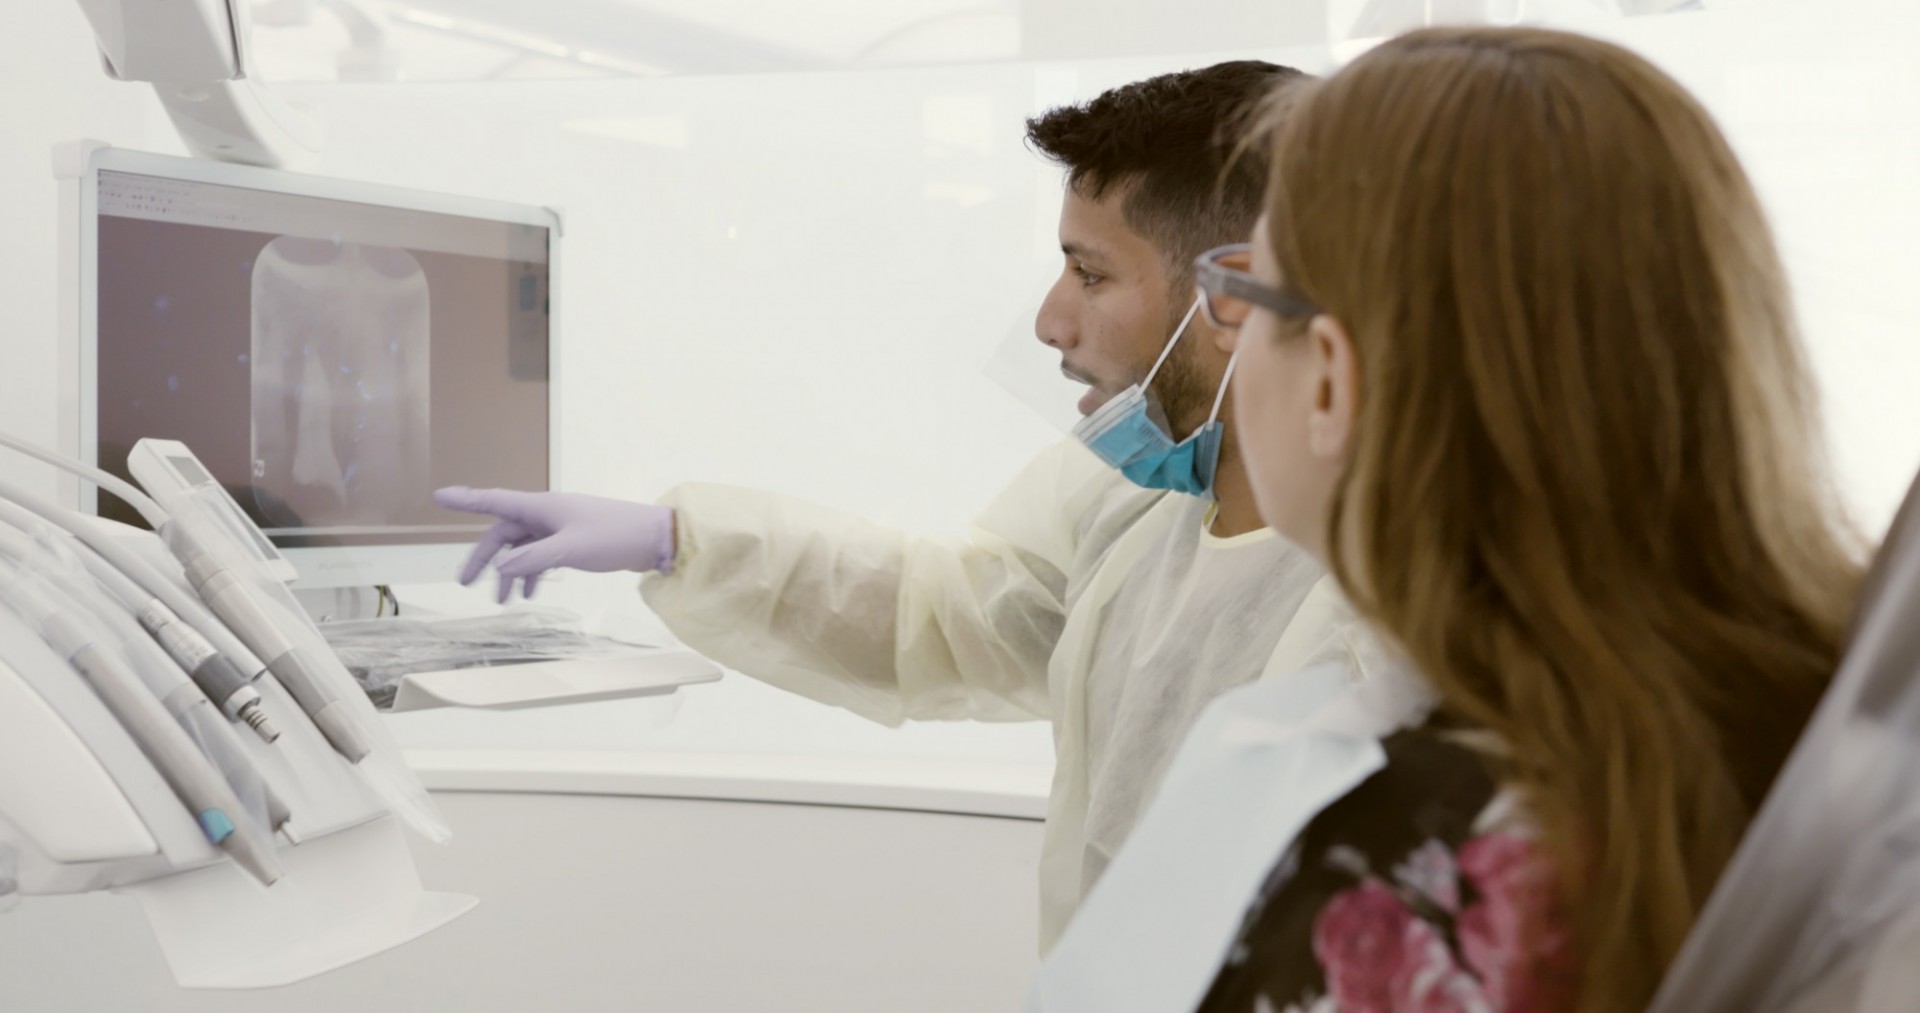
(197, 54)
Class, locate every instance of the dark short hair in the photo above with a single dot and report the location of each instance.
(1170, 142)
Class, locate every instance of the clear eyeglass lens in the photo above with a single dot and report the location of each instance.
(1224, 310)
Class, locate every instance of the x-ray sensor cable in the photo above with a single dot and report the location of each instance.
(150, 511)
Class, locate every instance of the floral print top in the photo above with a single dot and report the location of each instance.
(1414, 893)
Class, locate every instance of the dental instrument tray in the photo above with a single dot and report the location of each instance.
(526, 657)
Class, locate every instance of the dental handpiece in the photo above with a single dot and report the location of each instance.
(242, 631)
(230, 599)
(219, 678)
(163, 675)
(147, 719)
(216, 674)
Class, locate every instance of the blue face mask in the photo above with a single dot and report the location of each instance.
(1131, 433)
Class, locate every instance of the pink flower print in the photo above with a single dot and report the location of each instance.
(1379, 958)
(1430, 980)
(1431, 873)
(1357, 938)
(1514, 937)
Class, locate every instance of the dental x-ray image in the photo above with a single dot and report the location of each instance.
(341, 383)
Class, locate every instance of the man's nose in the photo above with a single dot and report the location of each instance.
(1054, 324)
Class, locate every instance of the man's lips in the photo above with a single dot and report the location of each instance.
(1094, 397)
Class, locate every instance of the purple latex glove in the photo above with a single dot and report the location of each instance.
(541, 531)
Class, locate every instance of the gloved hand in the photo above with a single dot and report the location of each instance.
(544, 530)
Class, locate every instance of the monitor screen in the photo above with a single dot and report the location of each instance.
(330, 361)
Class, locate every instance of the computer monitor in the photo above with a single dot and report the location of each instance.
(332, 351)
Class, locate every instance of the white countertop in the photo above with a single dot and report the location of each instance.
(969, 787)
(736, 739)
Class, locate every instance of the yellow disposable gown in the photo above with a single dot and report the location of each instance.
(1076, 598)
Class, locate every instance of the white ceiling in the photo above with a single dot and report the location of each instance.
(469, 40)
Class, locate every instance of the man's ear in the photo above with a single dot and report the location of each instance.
(1336, 387)
(1224, 339)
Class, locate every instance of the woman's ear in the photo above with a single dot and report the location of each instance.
(1336, 394)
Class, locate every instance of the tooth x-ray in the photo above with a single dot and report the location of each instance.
(342, 377)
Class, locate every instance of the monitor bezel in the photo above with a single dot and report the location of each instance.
(356, 566)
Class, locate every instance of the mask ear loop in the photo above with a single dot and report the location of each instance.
(1221, 398)
(1164, 352)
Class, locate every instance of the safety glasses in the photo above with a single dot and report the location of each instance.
(1229, 291)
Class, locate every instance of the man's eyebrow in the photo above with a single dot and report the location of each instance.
(1081, 251)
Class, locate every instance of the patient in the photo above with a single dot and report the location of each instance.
(1517, 362)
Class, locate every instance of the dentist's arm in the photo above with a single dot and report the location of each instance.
(887, 623)
(830, 605)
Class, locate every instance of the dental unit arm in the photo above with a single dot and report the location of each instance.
(197, 54)
(259, 860)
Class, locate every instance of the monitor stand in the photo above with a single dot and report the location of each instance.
(338, 604)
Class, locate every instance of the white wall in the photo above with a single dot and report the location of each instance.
(1822, 101)
(792, 281)
(51, 90)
